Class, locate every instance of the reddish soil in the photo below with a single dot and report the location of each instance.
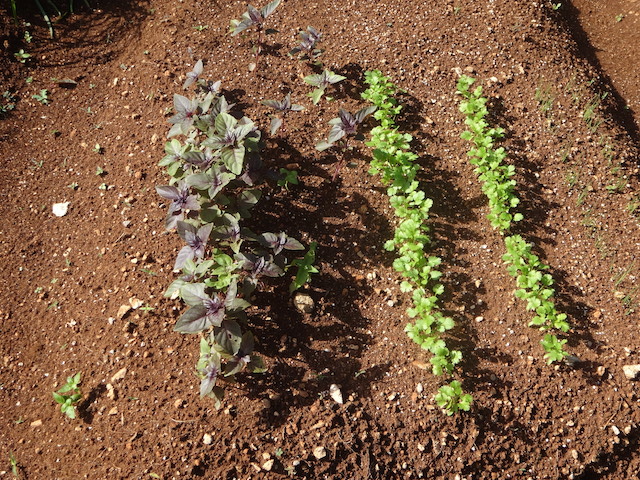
(64, 279)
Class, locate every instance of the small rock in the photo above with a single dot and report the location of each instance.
(319, 452)
(268, 465)
(303, 302)
(601, 371)
(111, 393)
(615, 430)
(123, 310)
(419, 388)
(631, 371)
(335, 393)
(207, 439)
(60, 209)
(36, 423)
(479, 319)
(135, 303)
(178, 403)
(420, 364)
(119, 375)
(113, 411)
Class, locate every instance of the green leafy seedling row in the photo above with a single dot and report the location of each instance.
(497, 185)
(395, 163)
(533, 285)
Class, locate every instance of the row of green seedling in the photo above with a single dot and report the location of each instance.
(394, 162)
(533, 285)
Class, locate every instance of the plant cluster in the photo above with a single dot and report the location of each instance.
(534, 286)
(7, 103)
(498, 185)
(395, 163)
(69, 395)
(214, 172)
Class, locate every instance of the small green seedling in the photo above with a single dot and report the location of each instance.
(451, 399)
(42, 96)
(288, 177)
(69, 395)
(22, 56)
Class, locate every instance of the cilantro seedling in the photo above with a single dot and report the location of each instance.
(22, 56)
(69, 395)
(396, 164)
(42, 96)
(321, 81)
(99, 150)
(451, 399)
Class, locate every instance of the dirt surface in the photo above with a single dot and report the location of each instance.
(65, 279)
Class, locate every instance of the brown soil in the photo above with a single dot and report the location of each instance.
(64, 279)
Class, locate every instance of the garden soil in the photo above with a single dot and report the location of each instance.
(83, 292)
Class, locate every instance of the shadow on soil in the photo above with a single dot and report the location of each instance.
(615, 108)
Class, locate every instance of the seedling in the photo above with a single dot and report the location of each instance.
(284, 106)
(254, 18)
(99, 150)
(305, 268)
(7, 103)
(42, 96)
(22, 56)
(307, 48)
(343, 128)
(534, 286)
(451, 399)
(288, 177)
(321, 81)
(69, 395)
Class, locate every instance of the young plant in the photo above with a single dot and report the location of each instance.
(343, 128)
(395, 163)
(283, 106)
(42, 96)
(214, 173)
(254, 18)
(8, 103)
(22, 56)
(287, 177)
(321, 81)
(69, 395)
(451, 399)
(307, 49)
